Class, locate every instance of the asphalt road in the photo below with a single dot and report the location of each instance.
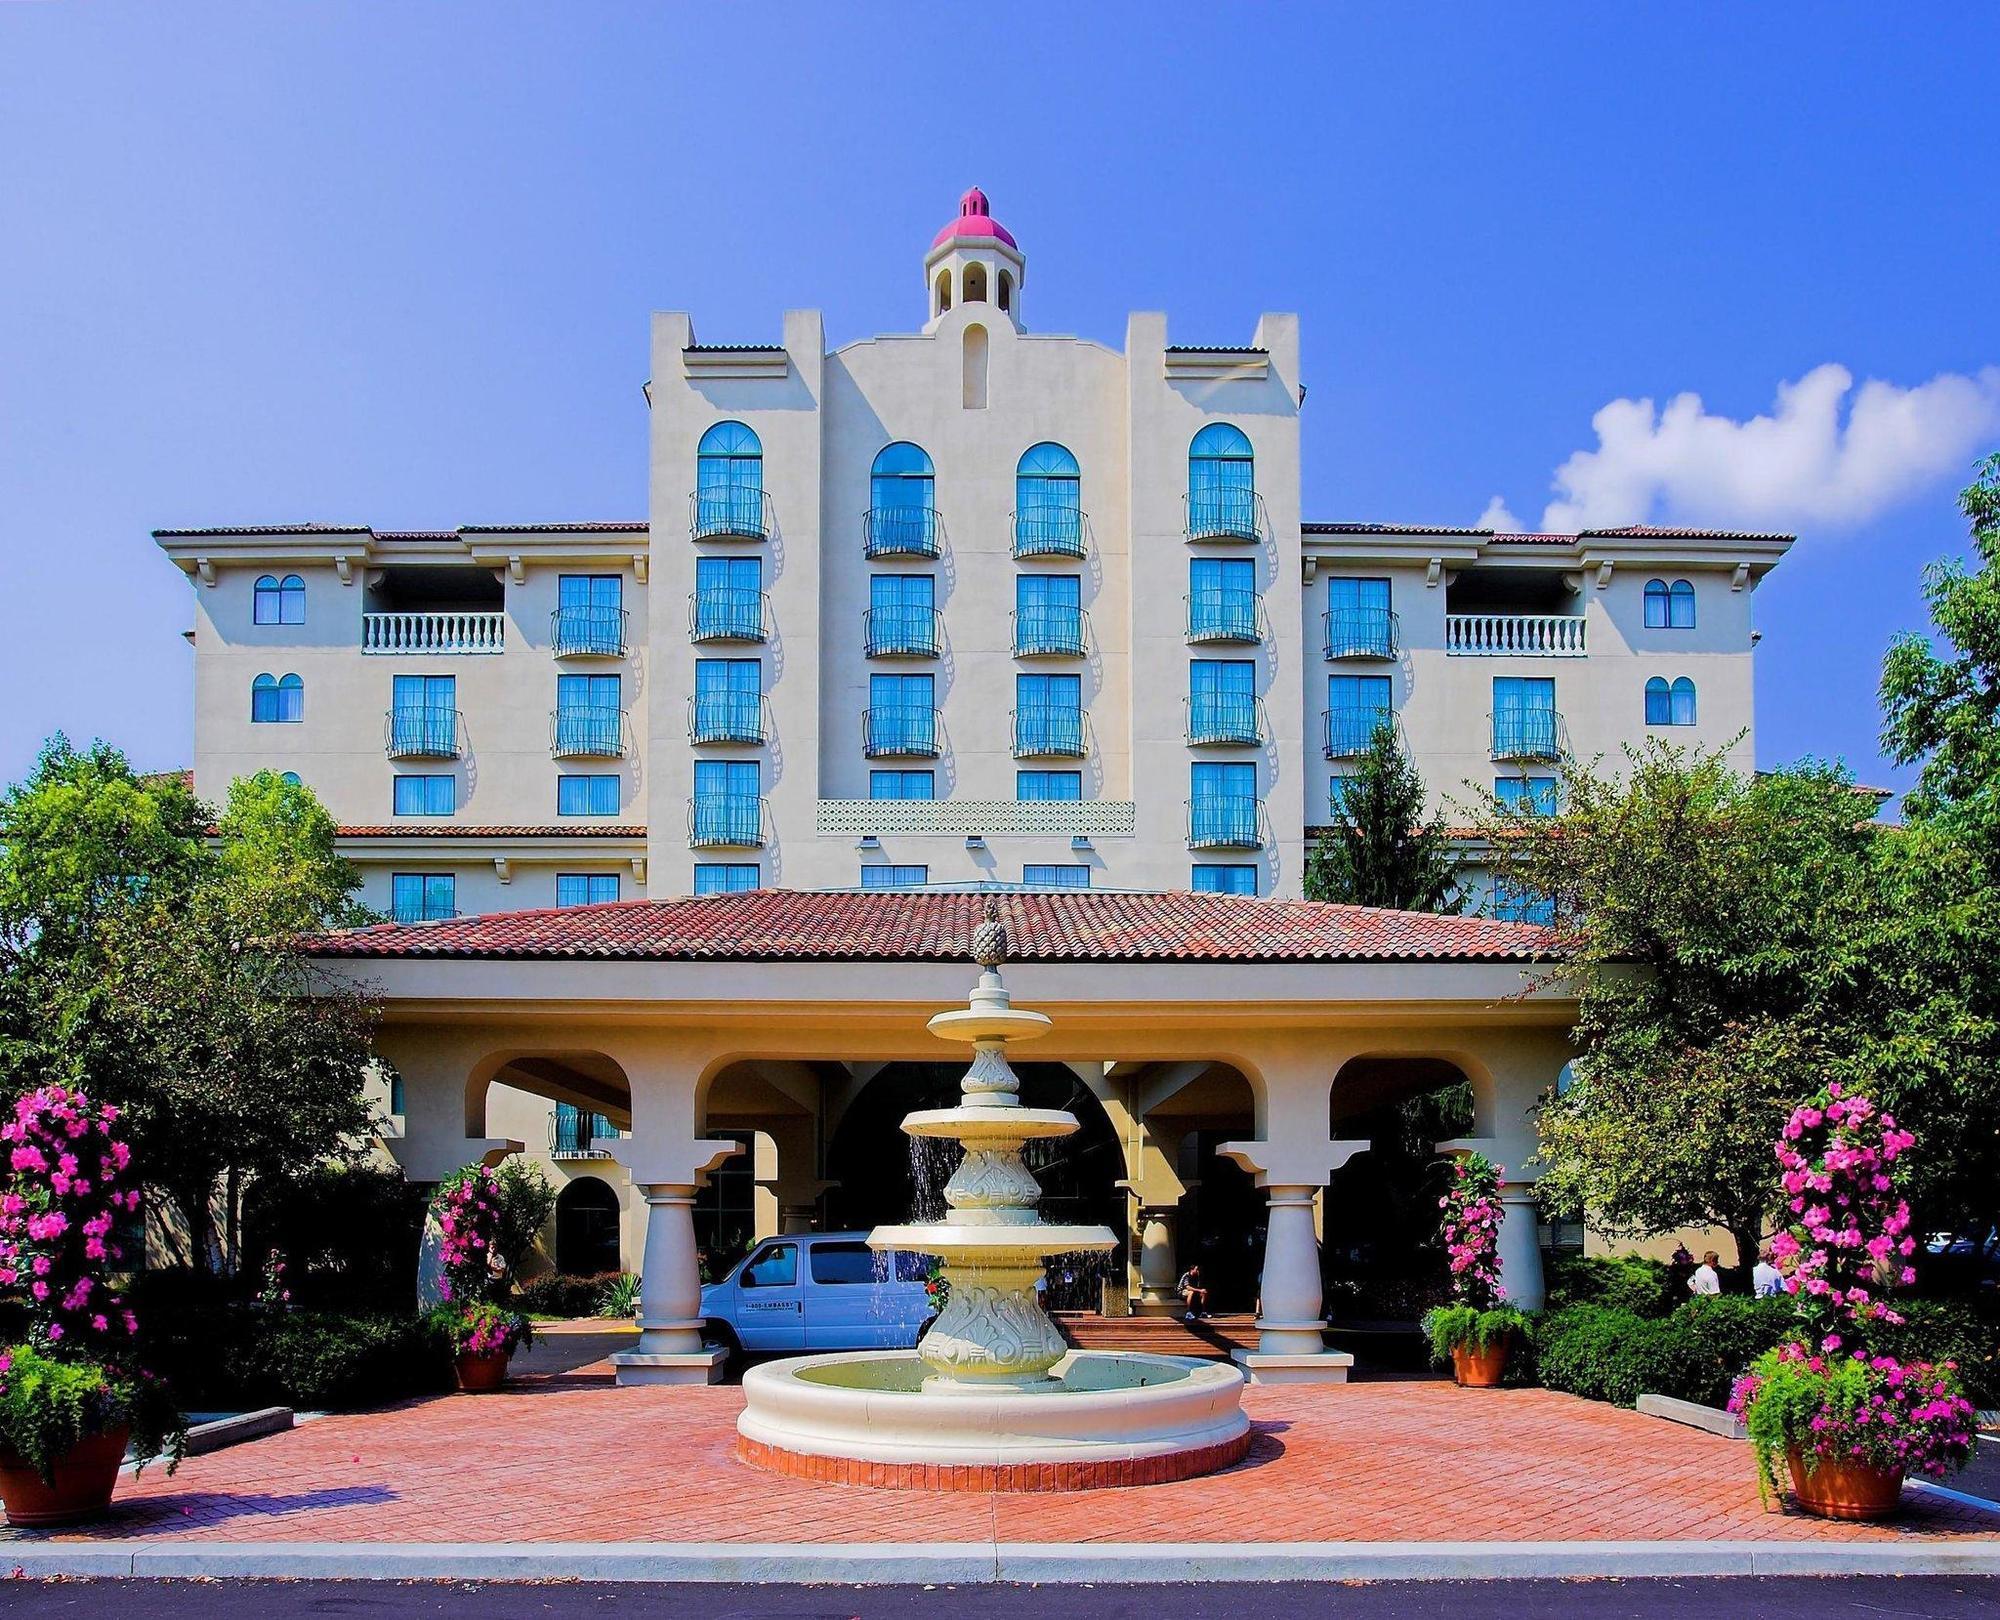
(1863, 1598)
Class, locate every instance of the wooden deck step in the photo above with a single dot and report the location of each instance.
(1211, 1338)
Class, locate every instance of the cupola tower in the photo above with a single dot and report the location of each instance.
(974, 261)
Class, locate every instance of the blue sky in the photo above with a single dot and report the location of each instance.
(392, 264)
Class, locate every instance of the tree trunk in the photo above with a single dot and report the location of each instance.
(1748, 1237)
(232, 1200)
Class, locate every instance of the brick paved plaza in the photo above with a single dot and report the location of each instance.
(569, 1457)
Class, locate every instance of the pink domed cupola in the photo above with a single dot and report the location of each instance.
(974, 261)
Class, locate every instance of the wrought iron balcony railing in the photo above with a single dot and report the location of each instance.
(422, 912)
(900, 531)
(901, 632)
(726, 717)
(1049, 531)
(573, 1133)
(1225, 613)
(1531, 734)
(1224, 514)
(422, 731)
(1514, 635)
(728, 512)
(418, 634)
(1358, 633)
(1349, 729)
(726, 613)
(587, 632)
(725, 820)
(587, 731)
(1225, 821)
(1227, 718)
(1049, 630)
(1048, 733)
(899, 730)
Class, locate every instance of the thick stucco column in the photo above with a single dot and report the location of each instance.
(1519, 1242)
(1157, 1274)
(667, 1175)
(1291, 1343)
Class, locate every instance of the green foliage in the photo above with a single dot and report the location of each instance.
(559, 1295)
(348, 1233)
(621, 1296)
(1943, 709)
(1382, 850)
(277, 861)
(526, 1203)
(1695, 1353)
(1453, 1327)
(1624, 1283)
(1966, 1332)
(47, 1407)
(480, 1327)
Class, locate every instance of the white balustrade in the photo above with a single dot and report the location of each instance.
(413, 633)
(1513, 635)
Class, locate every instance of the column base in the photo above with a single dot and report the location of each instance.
(702, 1366)
(1319, 1367)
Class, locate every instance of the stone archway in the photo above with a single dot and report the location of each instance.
(587, 1228)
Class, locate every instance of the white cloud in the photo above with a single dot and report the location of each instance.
(1497, 518)
(1802, 466)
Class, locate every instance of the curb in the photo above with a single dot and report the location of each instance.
(980, 1563)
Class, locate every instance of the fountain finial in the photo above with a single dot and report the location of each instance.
(989, 939)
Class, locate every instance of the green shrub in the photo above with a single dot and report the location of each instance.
(1696, 1353)
(556, 1294)
(348, 1233)
(48, 1407)
(1623, 1282)
(621, 1296)
(316, 1360)
(1964, 1331)
(1449, 1327)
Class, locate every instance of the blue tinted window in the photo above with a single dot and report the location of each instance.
(1656, 604)
(902, 784)
(1510, 904)
(1659, 702)
(724, 877)
(586, 795)
(885, 876)
(1065, 876)
(426, 795)
(277, 700)
(586, 888)
(1048, 784)
(1536, 795)
(423, 896)
(1225, 880)
(1680, 605)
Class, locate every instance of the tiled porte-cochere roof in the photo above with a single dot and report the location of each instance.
(776, 925)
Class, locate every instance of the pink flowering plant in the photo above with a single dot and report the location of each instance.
(1827, 1395)
(467, 1209)
(1469, 1228)
(67, 1182)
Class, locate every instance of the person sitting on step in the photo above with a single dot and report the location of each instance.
(1194, 1292)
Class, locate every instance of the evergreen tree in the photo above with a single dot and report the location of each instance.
(1382, 850)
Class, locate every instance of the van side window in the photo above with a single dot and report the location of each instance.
(775, 1267)
(912, 1267)
(846, 1263)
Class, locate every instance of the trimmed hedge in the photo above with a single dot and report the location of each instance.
(1624, 1283)
(558, 1295)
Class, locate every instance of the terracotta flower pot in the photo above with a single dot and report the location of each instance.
(84, 1477)
(479, 1374)
(1836, 1489)
(1481, 1369)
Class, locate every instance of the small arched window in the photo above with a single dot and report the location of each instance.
(1656, 604)
(1004, 296)
(973, 383)
(729, 457)
(291, 779)
(1680, 605)
(1222, 480)
(1683, 702)
(1048, 491)
(943, 291)
(279, 601)
(277, 700)
(901, 477)
(973, 283)
(1670, 704)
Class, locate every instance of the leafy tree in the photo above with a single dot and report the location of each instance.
(526, 1203)
(1943, 709)
(1383, 850)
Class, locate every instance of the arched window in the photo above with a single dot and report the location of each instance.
(973, 387)
(1656, 604)
(729, 482)
(1222, 480)
(901, 495)
(277, 601)
(1683, 702)
(943, 291)
(277, 701)
(1005, 294)
(290, 779)
(1670, 705)
(1680, 605)
(1048, 515)
(973, 283)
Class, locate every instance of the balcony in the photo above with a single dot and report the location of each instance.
(1048, 733)
(587, 632)
(407, 635)
(1360, 633)
(1225, 613)
(1049, 630)
(1527, 734)
(727, 613)
(726, 717)
(899, 731)
(1049, 531)
(572, 1133)
(725, 821)
(1224, 718)
(1225, 821)
(587, 731)
(1224, 514)
(420, 731)
(1348, 731)
(900, 531)
(729, 513)
(1514, 635)
(900, 632)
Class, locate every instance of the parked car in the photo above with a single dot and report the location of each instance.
(819, 1291)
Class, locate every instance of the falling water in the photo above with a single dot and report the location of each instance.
(932, 1161)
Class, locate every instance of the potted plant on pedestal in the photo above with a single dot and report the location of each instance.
(71, 1394)
(1478, 1331)
(481, 1333)
(1847, 1424)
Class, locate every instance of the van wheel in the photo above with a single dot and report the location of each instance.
(723, 1337)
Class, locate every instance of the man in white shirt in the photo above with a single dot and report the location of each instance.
(1706, 1279)
(1766, 1281)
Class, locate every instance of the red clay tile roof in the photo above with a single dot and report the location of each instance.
(446, 829)
(769, 925)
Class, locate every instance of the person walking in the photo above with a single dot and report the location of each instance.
(1707, 1278)
(1766, 1280)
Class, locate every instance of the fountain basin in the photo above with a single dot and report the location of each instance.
(1101, 1418)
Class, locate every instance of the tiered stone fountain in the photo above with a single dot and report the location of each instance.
(993, 1397)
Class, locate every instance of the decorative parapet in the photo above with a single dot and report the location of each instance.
(1054, 818)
